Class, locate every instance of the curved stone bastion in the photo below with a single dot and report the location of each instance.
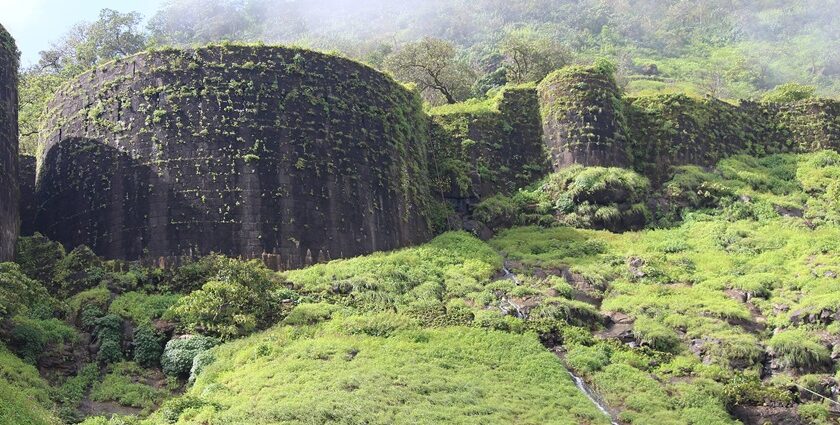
(253, 151)
(9, 215)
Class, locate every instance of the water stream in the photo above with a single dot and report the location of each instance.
(579, 382)
(591, 395)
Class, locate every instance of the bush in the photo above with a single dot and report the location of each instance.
(243, 297)
(142, 308)
(200, 361)
(123, 384)
(81, 269)
(310, 314)
(30, 337)
(789, 92)
(109, 333)
(177, 359)
(21, 295)
(147, 346)
(656, 335)
(796, 348)
(38, 257)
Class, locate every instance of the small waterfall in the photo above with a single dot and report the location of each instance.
(591, 395)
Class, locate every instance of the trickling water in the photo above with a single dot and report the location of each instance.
(594, 398)
(509, 275)
(579, 382)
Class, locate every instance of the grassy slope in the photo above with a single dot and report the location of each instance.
(328, 373)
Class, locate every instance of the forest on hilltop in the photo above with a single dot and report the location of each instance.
(723, 48)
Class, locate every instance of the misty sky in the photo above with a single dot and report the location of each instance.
(35, 23)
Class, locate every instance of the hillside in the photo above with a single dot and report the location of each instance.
(486, 212)
(725, 315)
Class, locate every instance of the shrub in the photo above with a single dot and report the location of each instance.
(243, 297)
(81, 269)
(30, 337)
(109, 333)
(789, 92)
(796, 348)
(656, 335)
(310, 314)
(20, 294)
(142, 308)
(38, 257)
(123, 384)
(200, 361)
(178, 355)
(147, 346)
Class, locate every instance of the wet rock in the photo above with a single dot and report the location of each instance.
(479, 229)
(761, 415)
(634, 265)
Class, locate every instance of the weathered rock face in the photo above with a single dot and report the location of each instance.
(9, 194)
(582, 118)
(26, 183)
(475, 154)
(284, 154)
(585, 121)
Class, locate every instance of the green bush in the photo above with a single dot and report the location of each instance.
(142, 308)
(789, 92)
(22, 295)
(109, 331)
(124, 384)
(38, 257)
(796, 348)
(178, 355)
(30, 337)
(80, 270)
(654, 334)
(147, 346)
(310, 314)
(243, 297)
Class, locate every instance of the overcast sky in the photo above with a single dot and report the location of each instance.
(34, 23)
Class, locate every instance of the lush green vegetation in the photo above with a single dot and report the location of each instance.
(726, 301)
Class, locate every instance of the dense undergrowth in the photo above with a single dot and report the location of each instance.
(725, 306)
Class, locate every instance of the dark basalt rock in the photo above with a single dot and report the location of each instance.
(263, 152)
(9, 192)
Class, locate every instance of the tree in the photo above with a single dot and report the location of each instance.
(113, 35)
(531, 54)
(432, 64)
(241, 298)
(790, 92)
(35, 89)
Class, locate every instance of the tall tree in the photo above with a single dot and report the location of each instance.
(113, 35)
(433, 65)
(530, 54)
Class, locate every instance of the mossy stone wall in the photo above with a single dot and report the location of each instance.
(475, 154)
(585, 121)
(27, 165)
(253, 151)
(9, 192)
(582, 118)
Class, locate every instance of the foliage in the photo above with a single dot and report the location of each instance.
(241, 298)
(530, 53)
(796, 348)
(432, 65)
(178, 355)
(449, 375)
(109, 332)
(24, 393)
(789, 92)
(147, 346)
(140, 307)
(38, 257)
(80, 270)
(126, 384)
(20, 294)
